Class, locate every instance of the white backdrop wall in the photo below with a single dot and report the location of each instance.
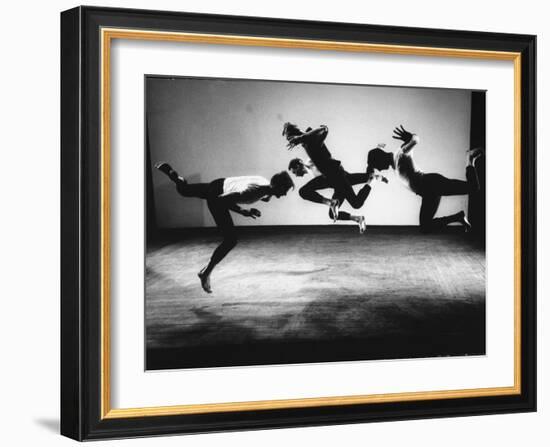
(211, 128)
(29, 329)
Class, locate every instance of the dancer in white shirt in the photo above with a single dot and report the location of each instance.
(224, 195)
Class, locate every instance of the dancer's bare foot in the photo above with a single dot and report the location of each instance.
(362, 224)
(205, 281)
(167, 169)
(473, 155)
(163, 167)
(334, 205)
(465, 222)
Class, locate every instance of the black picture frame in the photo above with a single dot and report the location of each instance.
(82, 393)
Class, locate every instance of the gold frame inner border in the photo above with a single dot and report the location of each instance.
(107, 36)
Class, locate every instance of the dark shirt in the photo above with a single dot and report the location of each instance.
(319, 154)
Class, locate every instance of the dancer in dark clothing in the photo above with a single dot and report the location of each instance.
(309, 191)
(430, 186)
(313, 142)
(224, 195)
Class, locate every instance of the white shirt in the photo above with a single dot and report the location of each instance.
(247, 189)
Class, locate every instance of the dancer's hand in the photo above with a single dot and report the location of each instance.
(255, 213)
(252, 212)
(378, 177)
(402, 134)
(294, 141)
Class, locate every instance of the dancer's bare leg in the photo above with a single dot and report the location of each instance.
(224, 222)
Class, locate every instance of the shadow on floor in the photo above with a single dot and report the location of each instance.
(51, 425)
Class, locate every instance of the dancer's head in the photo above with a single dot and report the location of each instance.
(281, 184)
(291, 130)
(379, 159)
(297, 167)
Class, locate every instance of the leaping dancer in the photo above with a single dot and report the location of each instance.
(224, 195)
(333, 174)
(430, 186)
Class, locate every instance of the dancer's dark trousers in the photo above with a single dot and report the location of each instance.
(342, 182)
(220, 212)
(432, 187)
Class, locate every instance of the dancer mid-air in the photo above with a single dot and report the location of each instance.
(313, 142)
(309, 191)
(224, 195)
(430, 186)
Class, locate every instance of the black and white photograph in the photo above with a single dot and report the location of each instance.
(272, 224)
(298, 222)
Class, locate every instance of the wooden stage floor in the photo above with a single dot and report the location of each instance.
(314, 294)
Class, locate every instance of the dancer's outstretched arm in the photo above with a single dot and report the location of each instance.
(409, 139)
(230, 203)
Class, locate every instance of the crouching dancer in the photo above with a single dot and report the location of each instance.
(430, 186)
